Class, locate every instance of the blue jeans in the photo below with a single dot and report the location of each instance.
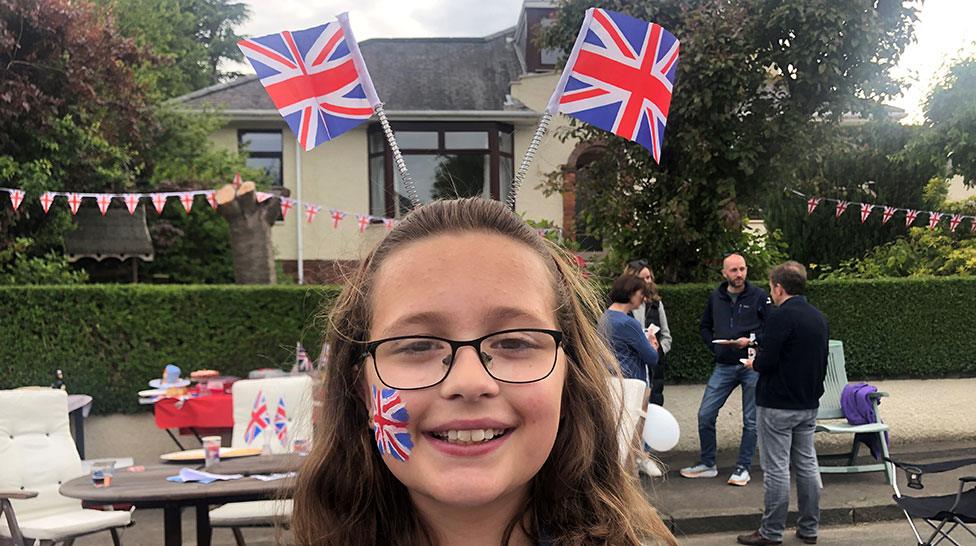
(725, 378)
(786, 443)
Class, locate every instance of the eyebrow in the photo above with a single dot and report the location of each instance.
(439, 321)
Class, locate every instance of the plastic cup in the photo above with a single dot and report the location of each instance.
(211, 449)
(102, 472)
(300, 446)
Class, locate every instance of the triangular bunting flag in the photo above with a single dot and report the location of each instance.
(934, 218)
(363, 222)
(887, 214)
(16, 198)
(74, 201)
(388, 223)
(286, 205)
(158, 201)
(131, 202)
(212, 199)
(841, 207)
(337, 216)
(910, 216)
(812, 204)
(972, 224)
(263, 196)
(311, 211)
(103, 200)
(46, 199)
(866, 209)
(954, 222)
(237, 181)
(187, 199)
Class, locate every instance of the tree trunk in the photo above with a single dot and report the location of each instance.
(250, 231)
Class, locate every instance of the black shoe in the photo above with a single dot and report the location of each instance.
(806, 539)
(755, 539)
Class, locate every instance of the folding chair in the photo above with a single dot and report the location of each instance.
(956, 510)
(830, 410)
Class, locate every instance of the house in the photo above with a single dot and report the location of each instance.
(463, 110)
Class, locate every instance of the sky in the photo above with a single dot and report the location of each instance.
(944, 31)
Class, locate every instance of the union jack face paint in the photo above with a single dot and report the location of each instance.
(389, 422)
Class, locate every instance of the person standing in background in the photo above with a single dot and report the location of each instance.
(652, 317)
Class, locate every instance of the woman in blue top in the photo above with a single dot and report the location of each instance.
(635, 350)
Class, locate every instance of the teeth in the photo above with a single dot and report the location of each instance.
(470, 436)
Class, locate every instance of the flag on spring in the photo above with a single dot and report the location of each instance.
(619, 77)
(302, 362)
(316, 78)
(260, 420)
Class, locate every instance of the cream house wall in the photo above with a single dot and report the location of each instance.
(534, 90)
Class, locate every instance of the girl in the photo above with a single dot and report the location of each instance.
(466, 400)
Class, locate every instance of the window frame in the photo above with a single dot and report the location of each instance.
(492, 153)
(280, 155)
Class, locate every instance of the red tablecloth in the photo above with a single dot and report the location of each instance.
(213, 411)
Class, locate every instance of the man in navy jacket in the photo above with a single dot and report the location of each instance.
(733, 320)
(792, 365)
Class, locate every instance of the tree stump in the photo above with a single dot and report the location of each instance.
(250, 231)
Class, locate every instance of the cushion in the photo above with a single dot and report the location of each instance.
(58, 526)
(253, 513)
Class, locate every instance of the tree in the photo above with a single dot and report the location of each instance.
(950, 111)
(753, 78)
(868, 163)
(188, 39)
(921, 253)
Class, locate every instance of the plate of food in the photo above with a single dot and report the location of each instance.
(723, 341)
(149, 393)
(190, 455)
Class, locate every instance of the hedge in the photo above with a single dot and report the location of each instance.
(111, 339)
(891, 328)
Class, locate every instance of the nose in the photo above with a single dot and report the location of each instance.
(468, 378)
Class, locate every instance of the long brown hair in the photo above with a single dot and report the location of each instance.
(582, 495)
(634, 268)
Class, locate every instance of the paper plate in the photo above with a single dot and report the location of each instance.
(723, 341)
(744, 360)
(152, 392)
(197, 454)
(158, 384)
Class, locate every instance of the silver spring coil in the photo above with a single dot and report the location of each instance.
(397, 156)
(530, 152)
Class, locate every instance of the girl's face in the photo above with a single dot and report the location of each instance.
(463, 287)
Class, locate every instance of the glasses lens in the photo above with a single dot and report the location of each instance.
(414, 362)
(519, 356)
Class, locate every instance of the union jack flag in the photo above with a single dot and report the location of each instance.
(390, 424)
(619, 77)
(954, 222)
(16, 198)
(841, 207)
(887, 214)
(302, 362)
(281, 422)
(934, 218)
(316, 78)
(866, 209)
(910, 216)
(812, 204)
(260, 420)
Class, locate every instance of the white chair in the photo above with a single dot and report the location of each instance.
(296, 391)
(37, 455)
(631, 396)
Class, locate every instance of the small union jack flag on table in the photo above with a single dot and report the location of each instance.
(260, 419)
(390, 419)
(619, 77)
(281, 422)
(316, 78)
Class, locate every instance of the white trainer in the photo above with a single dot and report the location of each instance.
(648, 467)
(700, 471)
(740, 477)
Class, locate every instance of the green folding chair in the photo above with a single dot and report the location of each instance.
(831, 419)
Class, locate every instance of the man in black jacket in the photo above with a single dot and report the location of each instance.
(733, 320)
(792, 365)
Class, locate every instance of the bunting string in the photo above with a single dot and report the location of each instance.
(887, 212)
(187, 199)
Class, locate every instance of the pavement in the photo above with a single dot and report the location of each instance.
(711, 506)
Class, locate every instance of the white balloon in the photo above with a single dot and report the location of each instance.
(661, 431)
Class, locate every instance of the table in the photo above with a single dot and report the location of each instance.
(213, 411)
(150, 489)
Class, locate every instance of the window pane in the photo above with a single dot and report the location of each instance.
(261, 142)
(466, 141)
(443, 177)
(505, 171)
(376, 140)
(505, 142)
(270, 165)
(376, 182)
(417, 140)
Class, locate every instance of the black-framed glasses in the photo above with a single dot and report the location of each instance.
(522, 355)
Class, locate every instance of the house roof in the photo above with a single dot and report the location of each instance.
(118, 235)
(410, 74)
